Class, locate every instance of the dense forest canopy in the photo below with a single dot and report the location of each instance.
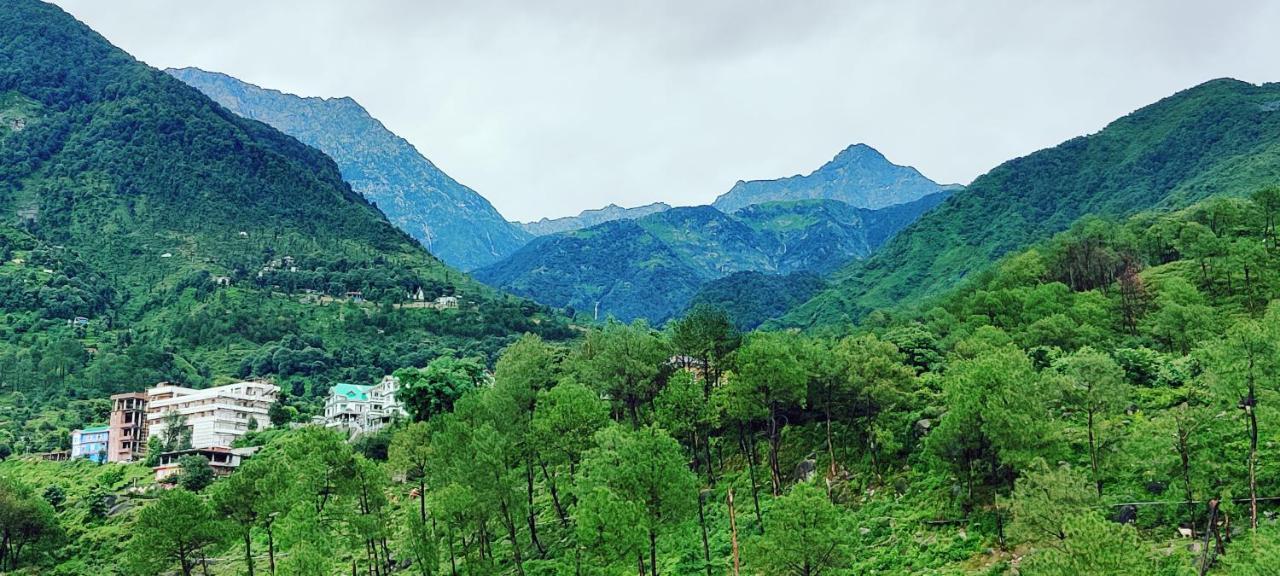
(1102, 399)
(653, 266)
(1069, 411)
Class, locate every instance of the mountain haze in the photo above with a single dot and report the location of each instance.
(859, 176)
(452, 221)
(652, 266)
(1221, 137)
(588, 218)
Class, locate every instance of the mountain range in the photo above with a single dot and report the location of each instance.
(588, 218)
(455, 223)
(70, 174)
(651, 267)
(192, 244)
(1221, 137)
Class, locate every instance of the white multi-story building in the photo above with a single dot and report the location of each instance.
(217, 416)
(361, 409)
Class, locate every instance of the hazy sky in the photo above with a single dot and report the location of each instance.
(551, 107)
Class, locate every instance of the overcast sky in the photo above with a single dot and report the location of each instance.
(550, 107)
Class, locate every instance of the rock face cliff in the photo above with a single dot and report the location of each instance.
(455, 223)
(859, 176)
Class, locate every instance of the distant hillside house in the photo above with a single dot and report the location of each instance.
(90, 443)
(223, 460)
(446, 302)
(363, 409)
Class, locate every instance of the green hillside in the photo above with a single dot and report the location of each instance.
(1067, 411)
(1220, 137)
(651, 267)
(451, 220)
(193, 242)
(753, 298)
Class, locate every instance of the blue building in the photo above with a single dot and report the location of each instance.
(90, 443)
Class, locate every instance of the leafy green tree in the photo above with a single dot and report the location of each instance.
(177, 434)
(706, 334)
(634, 486)
(279, 413)
(433, 390)
(1182, 318)
(27, 523)
(625, 361)
(1091, 545)
(997, 416)
(1267, 203)
(155, 447)
(807, 536)
(683, 411)
(526, 369)
(194, 472)
(770, 378)
(485, 464)
(55, 495)
(369, 523)
(1094, 385)
(871, 390)
(309, 491)
(421, 543)
(1044, 501)
(412, 454)
(1255, 553)
(178, 527)
(564, 427)
(1240, 368)
(239, 499)
(918, 344)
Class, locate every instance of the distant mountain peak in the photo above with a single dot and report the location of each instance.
(858, 175)
(588, 218)
(451, 220)
(1219, 137)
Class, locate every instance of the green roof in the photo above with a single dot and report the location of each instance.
(352, 391)
(95, 430)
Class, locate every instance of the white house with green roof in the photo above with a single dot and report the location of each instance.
(361, 409)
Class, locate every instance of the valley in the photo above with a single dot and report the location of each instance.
(246, 332)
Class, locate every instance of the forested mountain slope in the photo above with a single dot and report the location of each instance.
(1073, 409)
(195, 245)
(1221, 137)
(859, 176)
(651, 267)
(452, 221)
(752, 298)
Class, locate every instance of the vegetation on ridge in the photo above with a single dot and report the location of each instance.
(1066, 412)
(193, 245)
(1216, 138)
